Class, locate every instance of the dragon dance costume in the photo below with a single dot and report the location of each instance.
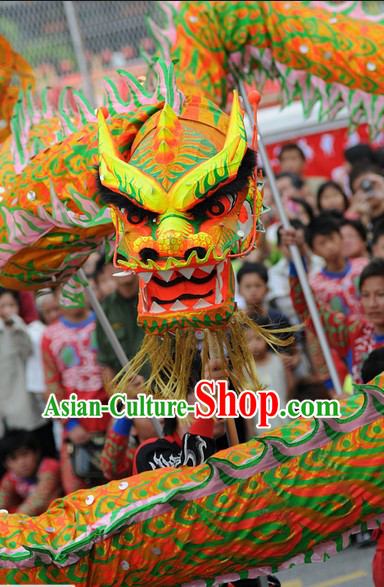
(182, 198)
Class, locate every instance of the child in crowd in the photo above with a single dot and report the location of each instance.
(69, 353)
(354, 235)
(17, 408)
(252, 279)
(31, 483)
(351, 337)
(270, 369)
(47, 306)
(278, 277)
(331, 197)
(336, 284)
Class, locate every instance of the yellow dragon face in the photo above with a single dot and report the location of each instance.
(184, 201)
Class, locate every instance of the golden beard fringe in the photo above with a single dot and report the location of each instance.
(171, 356)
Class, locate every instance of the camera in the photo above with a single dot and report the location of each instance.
(367, 186)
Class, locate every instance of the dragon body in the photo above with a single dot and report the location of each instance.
(290, 497)
(168, 174)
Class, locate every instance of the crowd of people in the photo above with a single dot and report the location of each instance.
(46, 348)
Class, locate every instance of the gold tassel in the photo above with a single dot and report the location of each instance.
(171, 356)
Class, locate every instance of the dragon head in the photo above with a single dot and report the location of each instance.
(183, 202)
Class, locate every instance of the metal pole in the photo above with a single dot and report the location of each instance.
(296, 257)
(75, 32)
(110, 333)
(263, 581)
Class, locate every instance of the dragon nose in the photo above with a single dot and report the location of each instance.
(147, 254)
(200, 252)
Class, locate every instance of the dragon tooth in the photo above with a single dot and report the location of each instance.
(187, 272)
(122, 273)
(207, 268)
(166, 275)
(178, 306)
(156, 308)
(145, 276)
(201, 304)
(218, 295)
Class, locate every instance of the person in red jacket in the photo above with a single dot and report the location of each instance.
(31, 483)
(352, 337)
(69, 353)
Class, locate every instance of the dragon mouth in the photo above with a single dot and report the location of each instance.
(183, 290)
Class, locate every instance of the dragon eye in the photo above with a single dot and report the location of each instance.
(135, 215)
(218, 206)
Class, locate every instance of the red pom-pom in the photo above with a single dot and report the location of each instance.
(105, 111)
(254, 97)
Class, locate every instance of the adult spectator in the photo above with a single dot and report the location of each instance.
(336, 283)
(330, 196)
(120, 308)
(17, 410)
(355, 155)
(367, 186)
(354, 236)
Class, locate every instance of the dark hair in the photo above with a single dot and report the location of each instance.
(14, 294)
(292, 147)
(257, 268)
(295, 223)
(331, 184)
(358, 226)
(373, 365)
(378, 231)
(307, 207)
(296, 180)
(323, 224)
(14, 441)
(359, 153)
(262, 321)
(309, 388)
(361, 169)
(375, 268)
(99, 268)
